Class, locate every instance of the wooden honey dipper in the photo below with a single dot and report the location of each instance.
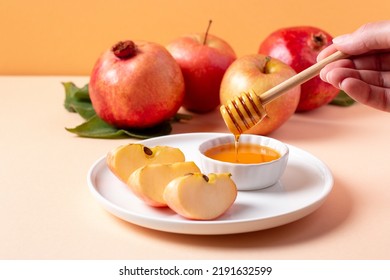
(246, 110)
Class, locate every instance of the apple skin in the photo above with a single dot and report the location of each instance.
(139, 91)
(258, 73)
(199, 197)
(203, 66)
(299, 47)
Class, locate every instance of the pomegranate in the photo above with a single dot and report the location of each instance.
(299, 47)
(136, 85)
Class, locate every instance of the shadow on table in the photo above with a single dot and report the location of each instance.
(324, 220)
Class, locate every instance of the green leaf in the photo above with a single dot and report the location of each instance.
(95, 127)
(342, 99)
(77, 100)
(180, 116)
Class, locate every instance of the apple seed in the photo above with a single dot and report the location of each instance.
(148, 151)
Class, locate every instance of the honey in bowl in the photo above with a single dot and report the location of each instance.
(245, 153)
(247, 176)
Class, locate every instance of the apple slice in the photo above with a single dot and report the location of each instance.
(125, 159)
(149, 182)
(200, 197)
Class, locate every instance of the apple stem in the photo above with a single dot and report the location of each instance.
(124, 49)
(207, 32)
(267, 59)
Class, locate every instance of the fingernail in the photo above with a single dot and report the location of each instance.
(327, 77)
(340, 39)
(341, 85)
(322, 76)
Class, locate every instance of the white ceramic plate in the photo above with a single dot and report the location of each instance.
(303, 187)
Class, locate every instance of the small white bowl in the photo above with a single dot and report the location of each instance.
(247, 176)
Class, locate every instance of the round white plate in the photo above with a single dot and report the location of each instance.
(303, 187)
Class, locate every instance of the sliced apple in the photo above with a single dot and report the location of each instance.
(149, 182)
(125, 159)
(200, 197)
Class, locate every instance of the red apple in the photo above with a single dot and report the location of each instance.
(203, 59)
(259, 73)
(299, 47)
(136, 85)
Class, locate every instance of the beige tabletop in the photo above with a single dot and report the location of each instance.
(48, 212)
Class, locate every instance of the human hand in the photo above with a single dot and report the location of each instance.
(365, 75)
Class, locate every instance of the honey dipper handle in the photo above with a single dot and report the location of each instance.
(299, 78)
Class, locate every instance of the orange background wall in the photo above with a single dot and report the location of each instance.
(44, 37)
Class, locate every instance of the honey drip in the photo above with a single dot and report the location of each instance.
(240, 114)
(236, 143)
